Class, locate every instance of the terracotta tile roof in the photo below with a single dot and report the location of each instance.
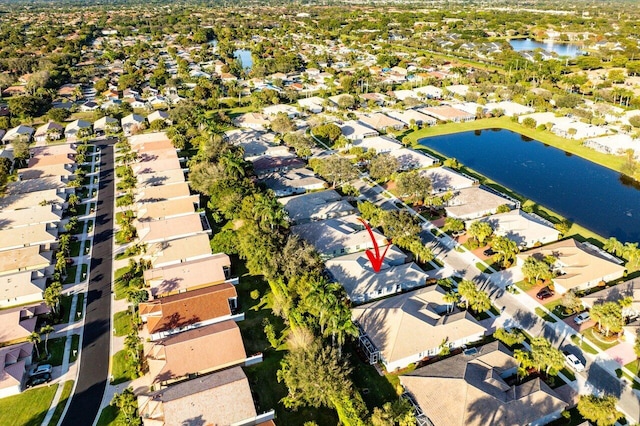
(201, 350)
(188, 308)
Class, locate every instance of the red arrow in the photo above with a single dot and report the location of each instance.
(375, 259)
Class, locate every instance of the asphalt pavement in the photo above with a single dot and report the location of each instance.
(94, 360)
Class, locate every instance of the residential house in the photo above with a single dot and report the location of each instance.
(296, 181)
(40, 184)
(578, 266)
(36, 172)
(256, 144)
(316, 206)
(428, 92)
(412, 117)
(460, 90)
(179, 250)
(171, 228)
(132, 124)
(13, 366)
(480, 391)
(475, 202)
(42, 234)
(221, 398)
(210, 270)
(166, 177)
(444, 179)
(21, 288)
(508, 108)
(274, 110)
(355, 129)
(375, 98)
(20, 132)
(162, 193)
(314, 104)
(264, 166)
(77, 129)
(617, 144)
(158, 115)
(51, 160)
(252, 120)
(336, 100)
(31, 199)
(48, 132)
(401, 95)
(156, 163)
(196, 352)
(19, 323)
(409, 159)
(382, 122)
(106, 125)
(31, 258)
(412, 327)
(380, 144)
(338, 236)
(448, 113)
(526, 230)
(89, 106)
(362, 284)
(617, 293)
(192, 309)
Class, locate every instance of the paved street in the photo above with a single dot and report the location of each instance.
(94, 358)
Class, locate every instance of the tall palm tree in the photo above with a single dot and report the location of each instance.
(613, 246)
(451, 298)
(46, 330)
(34, 338)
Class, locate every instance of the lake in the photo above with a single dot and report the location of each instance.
(245, 58)
(591, 195)
(562, 49)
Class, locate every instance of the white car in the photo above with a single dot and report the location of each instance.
(582, 318)
(574, 362)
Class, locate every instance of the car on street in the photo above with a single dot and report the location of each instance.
(38, 379)
(582, 318)
(573, 362)
(41, 369)
(545, 293)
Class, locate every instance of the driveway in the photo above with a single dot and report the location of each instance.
(94, 357)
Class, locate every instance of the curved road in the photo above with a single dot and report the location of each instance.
(94, 360)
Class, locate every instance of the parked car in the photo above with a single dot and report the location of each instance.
(582, 318)
(545, 293)
(41, 369)
(489, 252)
(458, 233)
(574, 362)
(38, 379)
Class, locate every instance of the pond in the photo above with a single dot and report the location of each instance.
(245, 58)
(591, 195)
(562, 49)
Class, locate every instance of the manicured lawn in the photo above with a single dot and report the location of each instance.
(71, 274)
(74, 248)
(557, 308)
(75, 344)
(374, 388)
(481, 266)
(65, 307)
(583, 345)
(568, 374)
(545, 316)
(56, 350)
(64, 397)
(120, 368)
(525, 285)
(598, 340)
(110, 415)
(122, 323)
(27, 408)
(120, 287)
(575, 419)
(79, 307)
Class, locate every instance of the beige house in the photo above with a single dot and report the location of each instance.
(179, 250)
(168, 208)
(411, 327)
(19, 323)
(171, 228)
(162, 192)
(21, 288)
(471, 389)
(32, 199)
(221, 398)
(29, 258)
(316, 206)
(578, 266)
(475, 202)
(382, 122)
(166, 177)
(30, 216)
(525, 229)
(42, 234)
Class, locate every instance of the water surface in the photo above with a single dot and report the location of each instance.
(562, 49)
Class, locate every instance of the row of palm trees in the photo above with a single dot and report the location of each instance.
(628, 251)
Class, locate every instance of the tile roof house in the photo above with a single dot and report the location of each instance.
(180, 250)
(180, 277)
(154, 164)
(363, 284)
(409, 159)
(380, 144)
(266, 165)
(411, 327)
(30, 258)
(355, 129)
(410, 116)
(51, 160)
(48, 132)
(296, 181)
(474, 202)
(42, 234)
(171, 228)
(525, 229)
(448, 113)
(192, 309)
(19, 132)
(221, 398)
(165, 177)
(30, 216)
(13, 362)
(316, 206)
(77, 129)
(19, 323)
(477, 392)
(39, 184)
(579, 266)
(252, 120)
(106, 125)
(21, 288)
(162, 192)
(36, 172)
(337, 236)
(617, 293)
(195, 352)
(382, 122)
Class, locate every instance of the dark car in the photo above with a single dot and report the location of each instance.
(545, 293)
(489, 252)
(38, 379)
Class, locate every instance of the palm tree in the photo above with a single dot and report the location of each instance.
(232, 164)
(613, 246)
(34, 338)
(52, 295)
(632, 254)
(451, 297)
(46, 330)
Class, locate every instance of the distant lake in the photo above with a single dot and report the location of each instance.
(591, 195)
(562, 49)
(245, 58)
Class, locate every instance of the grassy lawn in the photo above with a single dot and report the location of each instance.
(71, 274)
(120, 287)
(29, 407)
(64, 397)
(633, 367)
(557, 308)
(598, 340)
(122, 323)
(525, 285)
(481, 266)
(262, 377)
(545, 316)
(575, 419)
(74, 248)
(568, 374)
(79, 307)
(120, 369)
(65, 307)
(374, 388)
(583, 345)
(75, 344)
(56, 350)
(110, 415)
